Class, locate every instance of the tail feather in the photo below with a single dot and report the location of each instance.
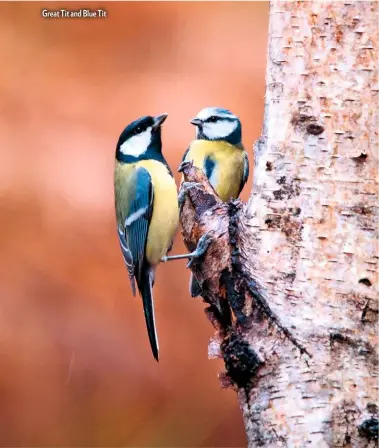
(145, 287)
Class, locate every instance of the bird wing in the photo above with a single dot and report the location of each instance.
(245, 175)
(137, 198)
(135, 207)
(209, 166)
(128, 258)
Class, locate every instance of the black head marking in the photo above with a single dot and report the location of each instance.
(213, 119)
(135, 128)
(153, 140)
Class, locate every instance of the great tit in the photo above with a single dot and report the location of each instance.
(219, 152)
(147, 210)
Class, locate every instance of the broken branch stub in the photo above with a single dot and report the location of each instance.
(202, 212)
(223, 287)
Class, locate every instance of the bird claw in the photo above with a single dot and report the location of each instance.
(201, 248)
(186, 186)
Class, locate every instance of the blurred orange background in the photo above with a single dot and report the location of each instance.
(76, 366)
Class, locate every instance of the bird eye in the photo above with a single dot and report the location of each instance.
(138, 130)
(213, 119)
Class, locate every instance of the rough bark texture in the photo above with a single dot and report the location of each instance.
(292, 277)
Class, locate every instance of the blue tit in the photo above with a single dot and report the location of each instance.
(219, 152)
(147, 210)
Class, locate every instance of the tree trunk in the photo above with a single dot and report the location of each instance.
(291, 277)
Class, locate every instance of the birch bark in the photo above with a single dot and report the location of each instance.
(312, 225)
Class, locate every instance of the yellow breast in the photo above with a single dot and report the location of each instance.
(228, 171)
(165, 217)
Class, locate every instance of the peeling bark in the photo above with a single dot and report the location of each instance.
(291, 278)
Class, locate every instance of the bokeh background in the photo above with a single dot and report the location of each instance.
(75, 362)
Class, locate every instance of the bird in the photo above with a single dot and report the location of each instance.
(147, 211)
(219, 152)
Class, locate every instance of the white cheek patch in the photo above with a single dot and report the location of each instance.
(136, 145)
(220, 129)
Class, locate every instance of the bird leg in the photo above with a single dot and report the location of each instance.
(200, 250)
